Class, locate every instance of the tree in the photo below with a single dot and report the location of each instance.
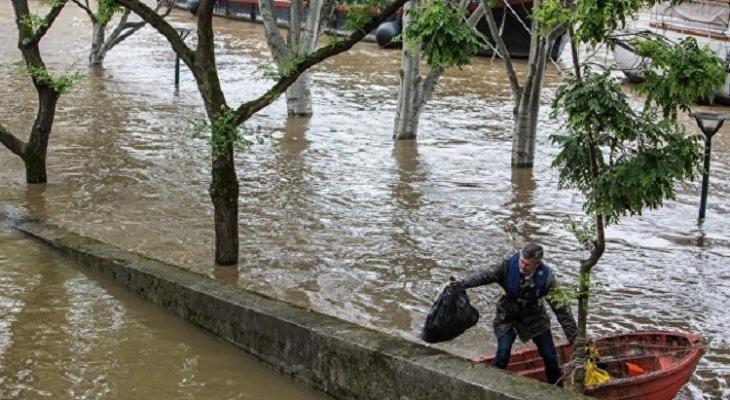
(526, 97)
(624, 160)
(31, 29)
(441, 34)
(225, 122)
(305, 25)
(105, 11)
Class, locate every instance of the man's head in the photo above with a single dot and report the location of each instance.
(530, 257)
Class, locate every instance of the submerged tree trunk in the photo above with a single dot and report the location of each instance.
(101, 44)
(409, 94)
(34, 154)
(224, 188)
(414, 91)
(525, 125)
(304, 30)
(97, 53)
(526, 97)
(224, 192)
(299, 97)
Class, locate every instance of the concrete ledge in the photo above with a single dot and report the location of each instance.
(342, 359)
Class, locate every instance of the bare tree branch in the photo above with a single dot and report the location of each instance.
(313, 24)
(11, 142)
(130, 30)
(168, 4)
(475, 15)
(517, 16)
(86, 8)
(499, 42)
(246, 110)
(125, 29)
(429, 84)
(205, 50)
(158, 22)
(296, 11)
(122, 31)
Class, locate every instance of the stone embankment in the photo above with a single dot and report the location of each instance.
(340, 358)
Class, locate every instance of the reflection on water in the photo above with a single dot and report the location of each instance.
(337, 217)
(64, 334)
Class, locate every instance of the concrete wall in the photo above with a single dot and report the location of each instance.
(342, 359)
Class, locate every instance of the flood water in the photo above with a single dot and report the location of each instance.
(336, 216)
(67, 334)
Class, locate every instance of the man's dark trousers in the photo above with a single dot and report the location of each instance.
(545, 346)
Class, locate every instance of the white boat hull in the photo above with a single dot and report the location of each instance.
(670, 23)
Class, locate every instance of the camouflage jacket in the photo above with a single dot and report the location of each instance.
(527, 319)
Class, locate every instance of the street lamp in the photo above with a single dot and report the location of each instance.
(710, 123)
(183, 33)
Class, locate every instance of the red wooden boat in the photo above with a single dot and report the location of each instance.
(666, 361)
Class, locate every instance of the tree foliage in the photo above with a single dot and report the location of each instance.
(640, 154)
(60, 83)
(225, 135)
(444, 38)
(106, 10)
(624, 159)
(640, 157)
(679, 73)
(360, 12)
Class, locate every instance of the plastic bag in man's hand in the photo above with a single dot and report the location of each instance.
(450, 315)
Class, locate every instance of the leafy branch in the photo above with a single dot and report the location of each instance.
(564, 293)
(442, 35)
(59, 83)
(224, 134)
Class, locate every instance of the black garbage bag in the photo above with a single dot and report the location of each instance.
(450, 315)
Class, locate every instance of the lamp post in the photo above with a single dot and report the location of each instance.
(709, 123)
(183, 33)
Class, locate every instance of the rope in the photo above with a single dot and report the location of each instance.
(506, 3)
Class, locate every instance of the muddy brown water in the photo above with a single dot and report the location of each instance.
(337, 217)
(67, 334)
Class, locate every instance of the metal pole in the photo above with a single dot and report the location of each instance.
(177, 70)
(705, 177)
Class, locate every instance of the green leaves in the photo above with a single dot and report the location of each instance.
(59, 83)
(34, 22)
(52, 3)
(105, 10)
(639, 155)
(226, 135)
(678, 74)
(360, 12)
(278, 72)
(446, 41)
(564, 293)
(552, 13)
(598, 19)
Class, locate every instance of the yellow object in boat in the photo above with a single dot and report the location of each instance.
(595, 375)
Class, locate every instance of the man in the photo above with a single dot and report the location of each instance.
(526, 281)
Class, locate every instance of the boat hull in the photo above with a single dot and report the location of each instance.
(515, 35)
(676, 28)
(668, 358)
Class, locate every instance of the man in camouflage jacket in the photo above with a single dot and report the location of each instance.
(527, 283)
